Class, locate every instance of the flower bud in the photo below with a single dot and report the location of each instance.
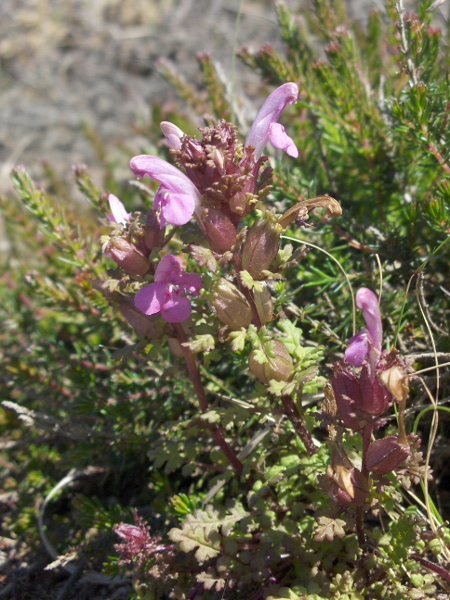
(154, 235)
(126, 255)
(264, 304)
(218, 229)
(384, 456)
(347, 393)
(231, 305)
(278, 365)
(261, 247)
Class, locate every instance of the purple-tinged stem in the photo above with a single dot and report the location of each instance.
(294, 417)
(432, 566)
(194, 374)
(359, 521)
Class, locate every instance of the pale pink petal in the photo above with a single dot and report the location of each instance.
(176, 308)
(368, 302)
(176, 209)
(150, 298)
(177, 196)
(280, 139)
(173, 134)
(119, 213)
(168, 270)
(270, 113)
(165, 173)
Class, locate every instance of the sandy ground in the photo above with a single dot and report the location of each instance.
(64, 62)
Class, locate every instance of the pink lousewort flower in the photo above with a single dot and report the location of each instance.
(119, 213)
(169, 294)
(367, 343)
(173, 134)
(177, 197)
(266, 127)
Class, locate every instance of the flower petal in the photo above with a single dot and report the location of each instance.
(358, 349)
(280, 139)
(270, 113)
(177, 196)
(190, 283)
(368, 302)
(168, 270)
(150, 298)
(176, 209)
(119, 213)
(168, 175)
(176, 308)
(173, 134)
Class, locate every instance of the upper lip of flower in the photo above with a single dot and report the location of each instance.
(367, 342)
(266, 127)
(177, 197)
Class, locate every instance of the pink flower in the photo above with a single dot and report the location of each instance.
(119, 213)
(177, 197)
(173, 134)
(367, 343)
(266, 127)
(169, 292)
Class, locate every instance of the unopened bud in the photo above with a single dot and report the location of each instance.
(264, 304)
(278, 364)
(261, 247)
(231, 305)
(218, 229)
(173, 134)
(154, 235)
(126, 255)
(384, 456)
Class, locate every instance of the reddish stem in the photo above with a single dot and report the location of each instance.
(432, 566)
(194, 374)
(294, 417)
(359, 521)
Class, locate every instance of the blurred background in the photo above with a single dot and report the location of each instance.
(70, 64)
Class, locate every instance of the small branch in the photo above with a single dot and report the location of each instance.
(194, 374)
(294, 417)
(359, 520)
(432, 566)
(404, 43)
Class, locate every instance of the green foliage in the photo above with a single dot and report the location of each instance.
(81, 388)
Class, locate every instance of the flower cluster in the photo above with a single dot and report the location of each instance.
(218, 181)
(144, 550)
(365, 386)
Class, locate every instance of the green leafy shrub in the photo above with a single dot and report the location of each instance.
(184, 362)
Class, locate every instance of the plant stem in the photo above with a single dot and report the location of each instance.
(362, 540)
(294, 417)
(194, 374)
